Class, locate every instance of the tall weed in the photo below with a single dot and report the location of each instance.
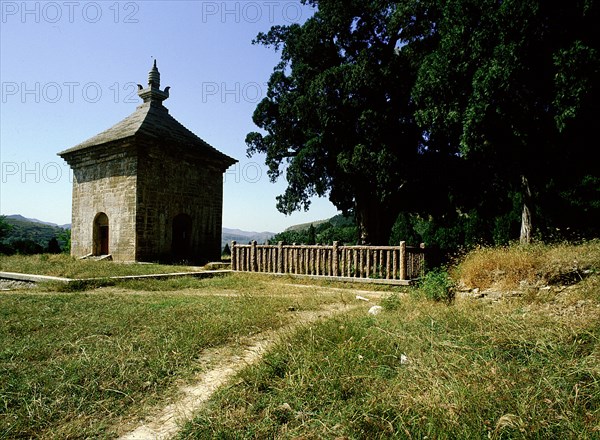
(437, 285)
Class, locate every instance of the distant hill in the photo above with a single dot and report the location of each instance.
(337, 220)
(240, 236)
(303, 226)
(31, 230)
(18, 217)
(338, 228)
(41, 232)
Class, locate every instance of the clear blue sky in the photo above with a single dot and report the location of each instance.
(68, 71)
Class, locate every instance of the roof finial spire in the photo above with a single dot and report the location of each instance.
(154, 76)
(153, 93)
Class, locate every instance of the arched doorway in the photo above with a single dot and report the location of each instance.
(101, 235)
(182, 236)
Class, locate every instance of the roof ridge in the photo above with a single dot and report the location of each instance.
(152, 119)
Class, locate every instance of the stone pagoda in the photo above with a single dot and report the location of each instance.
(147, 189)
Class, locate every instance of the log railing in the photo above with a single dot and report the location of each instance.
(376, 262)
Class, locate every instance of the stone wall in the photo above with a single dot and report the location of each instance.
(172, 182)
(105, 182)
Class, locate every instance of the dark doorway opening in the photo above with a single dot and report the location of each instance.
(182, 237)
(101, 235)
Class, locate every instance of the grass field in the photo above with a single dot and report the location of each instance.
(526, 366)
(61, 265)
(79, 365)
(76, 365)
(420, 371)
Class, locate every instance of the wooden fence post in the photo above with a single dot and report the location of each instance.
(388, 265)
(334, 258)
(403, 260)
(253, 263)
(422, 260)
(280, 257)
(319, 260)
(233, 259)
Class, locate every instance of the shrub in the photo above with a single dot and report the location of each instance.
(437, 285)
(391, 302)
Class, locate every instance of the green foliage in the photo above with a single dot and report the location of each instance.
(339, 228)
(4, 227)
(443, 237)
(312, 235)
(27, 238)
(437, 110)
(391, 301)
(576, 67)
(4, 231)
(226, 250)
(437, 285)
(404, 230)
(64, 238)
(512, 86)
(53, 246)
(338, 115)
(25, 247)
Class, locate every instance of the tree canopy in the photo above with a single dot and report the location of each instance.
(435, 109)
(514, 86)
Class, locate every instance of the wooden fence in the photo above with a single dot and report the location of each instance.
(368, 262)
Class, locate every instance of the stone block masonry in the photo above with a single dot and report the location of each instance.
(105, 184)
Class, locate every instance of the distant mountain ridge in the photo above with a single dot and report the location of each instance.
(302, 226)
(41, 231)
(229, 235)
(19, 217)
(31, 235)
(336, 220)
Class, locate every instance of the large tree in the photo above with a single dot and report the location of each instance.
(436, 107)
(514, 83)
(338, 114)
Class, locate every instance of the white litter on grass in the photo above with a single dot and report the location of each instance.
(375, 310)
(362, 298)
(404, 359)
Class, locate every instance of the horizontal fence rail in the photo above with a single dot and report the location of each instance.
(376, 262)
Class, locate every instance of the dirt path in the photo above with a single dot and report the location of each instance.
(223, 365)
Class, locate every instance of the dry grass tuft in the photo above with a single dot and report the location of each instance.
(508, 267)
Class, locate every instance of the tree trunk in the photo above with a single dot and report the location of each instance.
(374, 223)
(526, 223)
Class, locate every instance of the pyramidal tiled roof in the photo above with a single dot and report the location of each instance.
(152, 120)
